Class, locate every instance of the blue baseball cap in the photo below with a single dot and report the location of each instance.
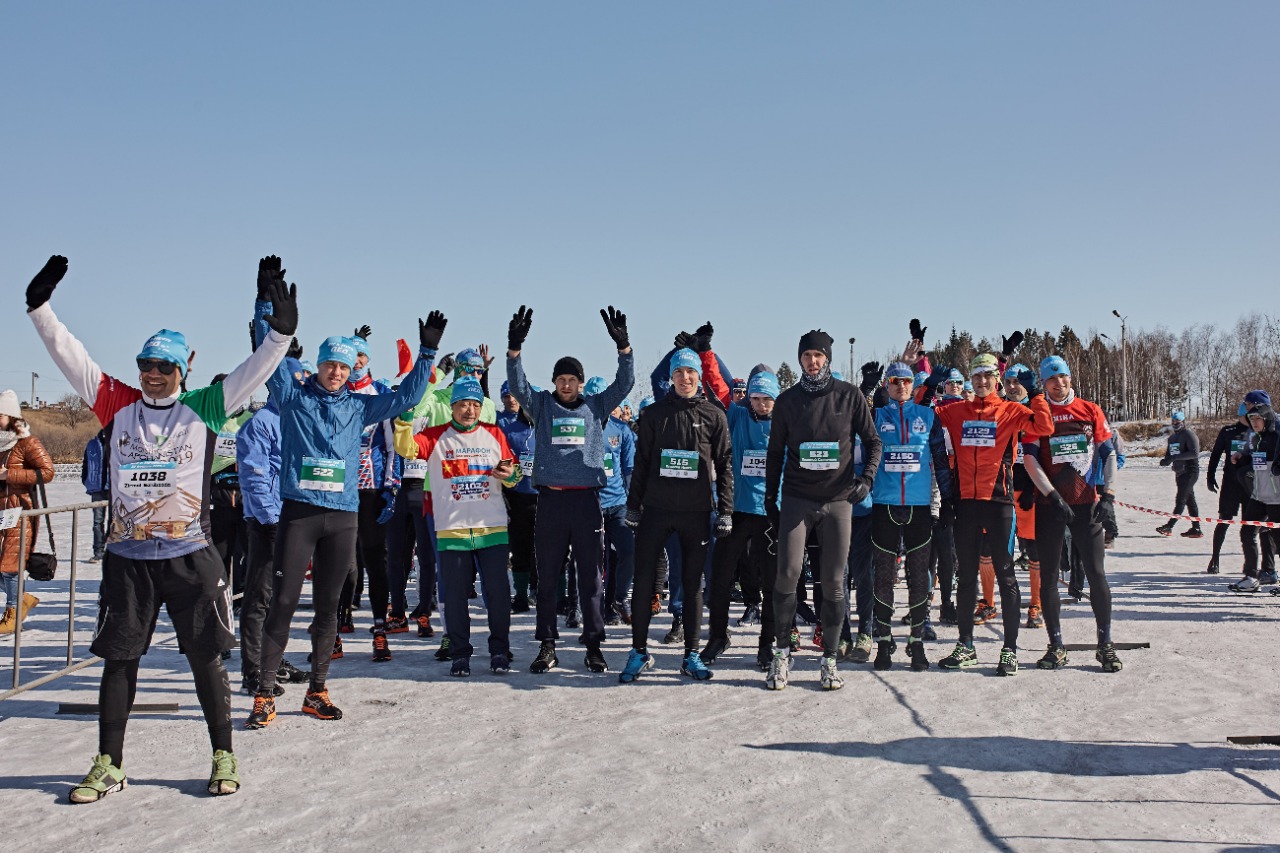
(954, 376)
(167, 345)
(686, 357)
(466, 388)
(898, 370)
(1054, 365)
(764, 383)
(835, 374)
(595, 385)
(337, 348)
(968, 386)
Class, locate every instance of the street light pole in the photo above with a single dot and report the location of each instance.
(851, 340)
(1124, 362)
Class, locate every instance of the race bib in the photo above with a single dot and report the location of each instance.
(679, 463)
(978, 434)
(149, 480)
(322, 475)
(1019, 454)
(225, 445)
(902, 458)
(608, 465)
(752, 463)
(1259, 461)
(1239, 445)
(1068, 449)
(819, 455)
(415, 469)
(526, 464)
(571, 431)
(1174, 448)
(470, 488)
(9, 518)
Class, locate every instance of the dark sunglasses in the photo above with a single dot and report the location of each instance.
(901, 380)
(471, 368)
(146, 365)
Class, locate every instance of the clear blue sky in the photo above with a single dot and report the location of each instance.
(771, 167)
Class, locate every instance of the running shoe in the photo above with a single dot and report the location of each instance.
(225, 778)
(1035, 619)
(443, 653)
(1106, 655)
(1194, 533)
(500, 663)
(637, 662)
(693, 666)
(1008, 662)
(103, 778)
(862, 649)
(884, 654)
(750, 616)
(337, 649)
(715, 648)
(346, 624)
(829, 678)
(947, 613)
(817, 636)
(424, 626)
(460, 668)
(676, 634)
(983, 612)
(264, 711)
(594, 661)
(919, 663)
(779, 670)
(1165, 529)
(1055, 657)
(290, 673)
(317, 704)
(1245, 584)
(546, 659)
(961, 657)
(381, 651)
(397, 625)
(795, 640)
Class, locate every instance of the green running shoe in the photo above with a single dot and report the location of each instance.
(225, 778)
(103, 778)
(1008, 662)
(962, 657)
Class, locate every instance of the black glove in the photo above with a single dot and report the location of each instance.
(446, 363)
(1166, 462)
(1011, 343)
(284, 307)
(268, 271)
(861, 488)
(724, 526)
(917, 331)
(1060, 505)
(774, 515)
(1213, 482)
(1027, 499)
(41, 287)
(363, 332)
(938, 376)
(295, 349)
(947, 511)
(615, 322)
(632, 518)
(429, 333)
(518, 328)
(1104, 512)
(684, 340)
(1027, 379)
(702, 337)
(872, 372)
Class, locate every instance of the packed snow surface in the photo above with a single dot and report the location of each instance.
(1073, 759)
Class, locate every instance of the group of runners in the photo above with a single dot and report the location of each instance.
(564, 504)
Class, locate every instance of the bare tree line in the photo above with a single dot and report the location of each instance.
(1204, 370)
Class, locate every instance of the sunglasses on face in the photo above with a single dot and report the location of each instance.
(166, 368)
(899, 380)
(471, 368)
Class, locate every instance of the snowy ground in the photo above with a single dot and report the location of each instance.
(1075, 759)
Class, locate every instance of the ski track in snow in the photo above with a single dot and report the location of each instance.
(1068, 760)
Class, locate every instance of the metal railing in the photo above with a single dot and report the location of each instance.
(72, 665)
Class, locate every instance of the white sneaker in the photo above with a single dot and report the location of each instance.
(779, 671)
(1245, 584)
(831, 679)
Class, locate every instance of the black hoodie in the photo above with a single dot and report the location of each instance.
(695, 425)
(802, 419)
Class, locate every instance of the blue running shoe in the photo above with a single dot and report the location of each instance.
(694, 667)
(637, 662)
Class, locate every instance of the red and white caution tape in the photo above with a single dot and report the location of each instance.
(1197, 519)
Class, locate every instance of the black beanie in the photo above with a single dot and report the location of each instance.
(815, 339)
(568, 365)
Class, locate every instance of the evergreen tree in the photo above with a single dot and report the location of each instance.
(786, 376)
